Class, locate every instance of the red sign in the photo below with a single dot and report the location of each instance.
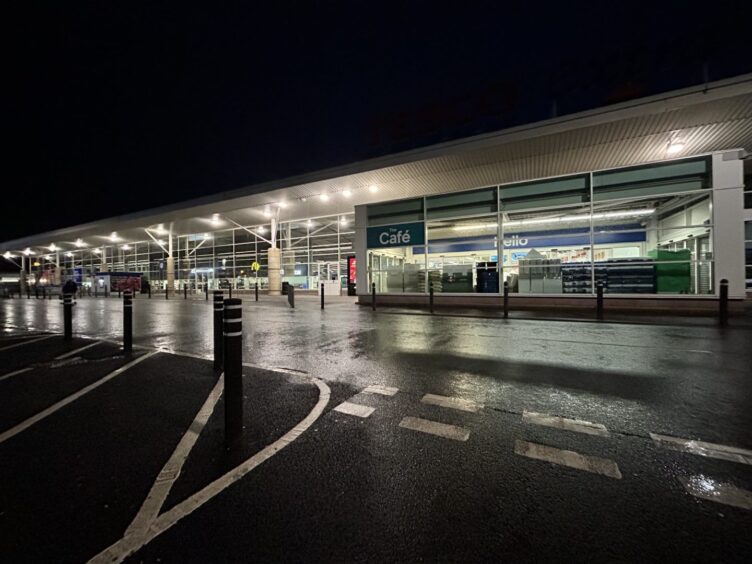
(351, 270)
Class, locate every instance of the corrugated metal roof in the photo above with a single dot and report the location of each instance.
(572, 146)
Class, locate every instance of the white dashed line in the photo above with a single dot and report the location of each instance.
(66, 355)
(703, 487)
(575, 425)
(382, 390)
(435, 428)
(13, 346)
(354, 409)
(13, 431)
(451, 403)
(701, 448)
(15, 373)
(568, 458)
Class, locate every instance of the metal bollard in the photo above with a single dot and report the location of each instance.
(28, 292)
(599, 300)
(218, 317)
(166, 292)
(68, 316)
(291, 296)
(233, 369)
(322, 296)
(373, 296)
(148, 289)
(723, 304)
(256, 291)
(430, 296)
(36, 292)
(44, 292)
(230, 289)
(206, 291)
(185, 291)
(506, 299)
(119, 291)
(127, 322)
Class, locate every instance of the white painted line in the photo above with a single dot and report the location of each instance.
(568, 458)
(71, 398)
(169, 474)
(354, 409)
(703, 487)
(451, 403)
(128, 545)
(701, 448)
(383, 390)
(575, 425)
(10, 374)
(435, 428)
(66, 355)
(28, 342)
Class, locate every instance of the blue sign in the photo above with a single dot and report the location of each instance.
(399, 235)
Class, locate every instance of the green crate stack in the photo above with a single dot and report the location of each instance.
(672, 278)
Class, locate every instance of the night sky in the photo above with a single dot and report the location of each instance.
(117, 108)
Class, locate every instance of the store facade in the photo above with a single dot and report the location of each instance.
(664, 229)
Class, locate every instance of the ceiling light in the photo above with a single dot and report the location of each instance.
(343, 221)
(261, 229)
(215, 218)
(347, 193)
(309, 223)
(303, 199)
(675, 147)
(160, 229)
(114, 236)
(79, 243)
(324, 197)
(283, 204)
(27, 251)
(7, 254)
(69, 254)
(126, 247)
(207, 236)
(159, 242)
(373, 188)
(53, 247)
(97, 251)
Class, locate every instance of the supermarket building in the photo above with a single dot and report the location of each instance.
(646, 198)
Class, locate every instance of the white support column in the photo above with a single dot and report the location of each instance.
(170, 262)
(728, 221)
(273, 262)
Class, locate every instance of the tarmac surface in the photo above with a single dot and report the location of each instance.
(372, 436)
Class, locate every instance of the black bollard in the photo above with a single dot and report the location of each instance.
(185, 291)
(44, 292)
(430, 296)
(127, 322)
(506, 299)
(723, 304)
(28, 292)
(599, 301)
(373, 296)
(36, 291)
(230, 290)
(218, 317)
(68, 316)
(233, 370)
(119, 291)
(322, 296)
(256, 291)
(148, 289)
(166, 292)
(291, 296)
(206, 291)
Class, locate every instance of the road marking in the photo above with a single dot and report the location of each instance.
(435, 428)
(354, 409)
(10, 374)
(701, 448)
(13, 346)
(451, 403)
(568, 458)
(564, 423)
(71, 398)
(703, 487)
(169, 474)
(383, 390)
(128, 545)
(66, 355)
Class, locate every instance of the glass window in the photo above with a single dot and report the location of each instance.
(641, 181)
(461, 204)
(573, 190)
(403, 211)
(748, 254)
(462, 256)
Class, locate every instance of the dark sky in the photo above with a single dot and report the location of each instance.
(117, 107)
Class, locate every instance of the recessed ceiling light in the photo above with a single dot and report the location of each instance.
(53, 247)
(79, 243)
(324, 197)
(69, 254)
(126, 247)
(347, 193)
(283, 204)
(373, 188)
(675, 147)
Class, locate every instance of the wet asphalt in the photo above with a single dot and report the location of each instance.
(352, 489)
